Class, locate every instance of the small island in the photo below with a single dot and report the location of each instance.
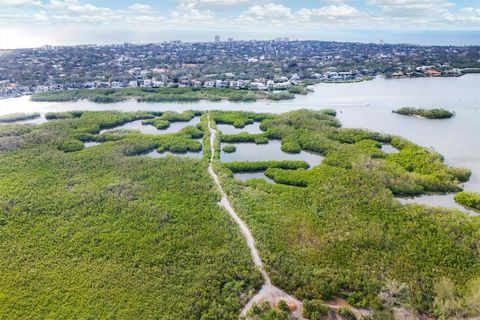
(435, 113)
(15, 117)
(469, 199)
(169, 94)
(229, 148)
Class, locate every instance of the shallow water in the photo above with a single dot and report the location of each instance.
(270, 151)
(91, 144)
(388, 148)
(149, 129)
(244, 176)
(366, 104)
(440, 201)
(156, 154)
(229, 129)
(37, 120)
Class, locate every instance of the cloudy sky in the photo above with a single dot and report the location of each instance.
(26, 23)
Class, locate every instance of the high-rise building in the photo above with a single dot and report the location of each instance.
(230, 40)
(217, 38)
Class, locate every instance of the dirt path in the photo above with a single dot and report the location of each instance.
(268, 292)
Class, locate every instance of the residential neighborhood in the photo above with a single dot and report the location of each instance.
(252, 65)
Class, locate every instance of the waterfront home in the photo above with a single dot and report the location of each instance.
(432, 73)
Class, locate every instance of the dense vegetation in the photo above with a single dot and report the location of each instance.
(229, 148)
(250, 166)
(425, 113)
(469, 199)
(99, 234)
(265, 311)
(166, 118)
(13, 117)
(343, 234)
(173, 94)
(105, 232)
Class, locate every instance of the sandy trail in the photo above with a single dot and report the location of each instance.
(268, 292)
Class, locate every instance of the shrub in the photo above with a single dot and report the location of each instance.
(261, 140)
(346, 313)
(290, 145)
(283, 306)
(425, 113)
(298, 178)
(229, 148)
(314, 309)
(297, 90)
(252, 166)
(71, 145)
(63, 115)
(158, 123)
(13, 117)
(469, 199)
(277, 96)
(383, 315)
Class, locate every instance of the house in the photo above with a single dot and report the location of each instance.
(103, 85)
(116, 84)
(157, 84)
(295, 78)
(270, 84)
(234, 84)
(258, 86)
(209, 84)
(432, 73)
(40, 88)
(133, 84)
(220, 84)
(89, 85)
(397, 74)
(282, 85)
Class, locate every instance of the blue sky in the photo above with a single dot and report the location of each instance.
(26, 23)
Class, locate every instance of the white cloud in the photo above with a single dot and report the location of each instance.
(138, 7)
(278, 14)
(40, 16)
(412, 8)
(189, 13)
(20, 3)
(224, 2)
(332, 11)
(267, 14)
(193, 14)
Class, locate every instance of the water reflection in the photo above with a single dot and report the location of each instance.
(156, 154)
(388, 148)
(149, 129)
(439, 200)
(265, 152)
(90, 144)
(244, 176)
(229, 129)
(361, 105)
(37, 120)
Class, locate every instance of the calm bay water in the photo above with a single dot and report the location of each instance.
(244, 176)
(229, 129)
(149, 129)
(266, 152)
(359, 105)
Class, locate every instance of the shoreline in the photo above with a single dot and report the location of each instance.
(261, 95)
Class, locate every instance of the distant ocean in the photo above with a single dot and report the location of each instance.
(24, 37)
